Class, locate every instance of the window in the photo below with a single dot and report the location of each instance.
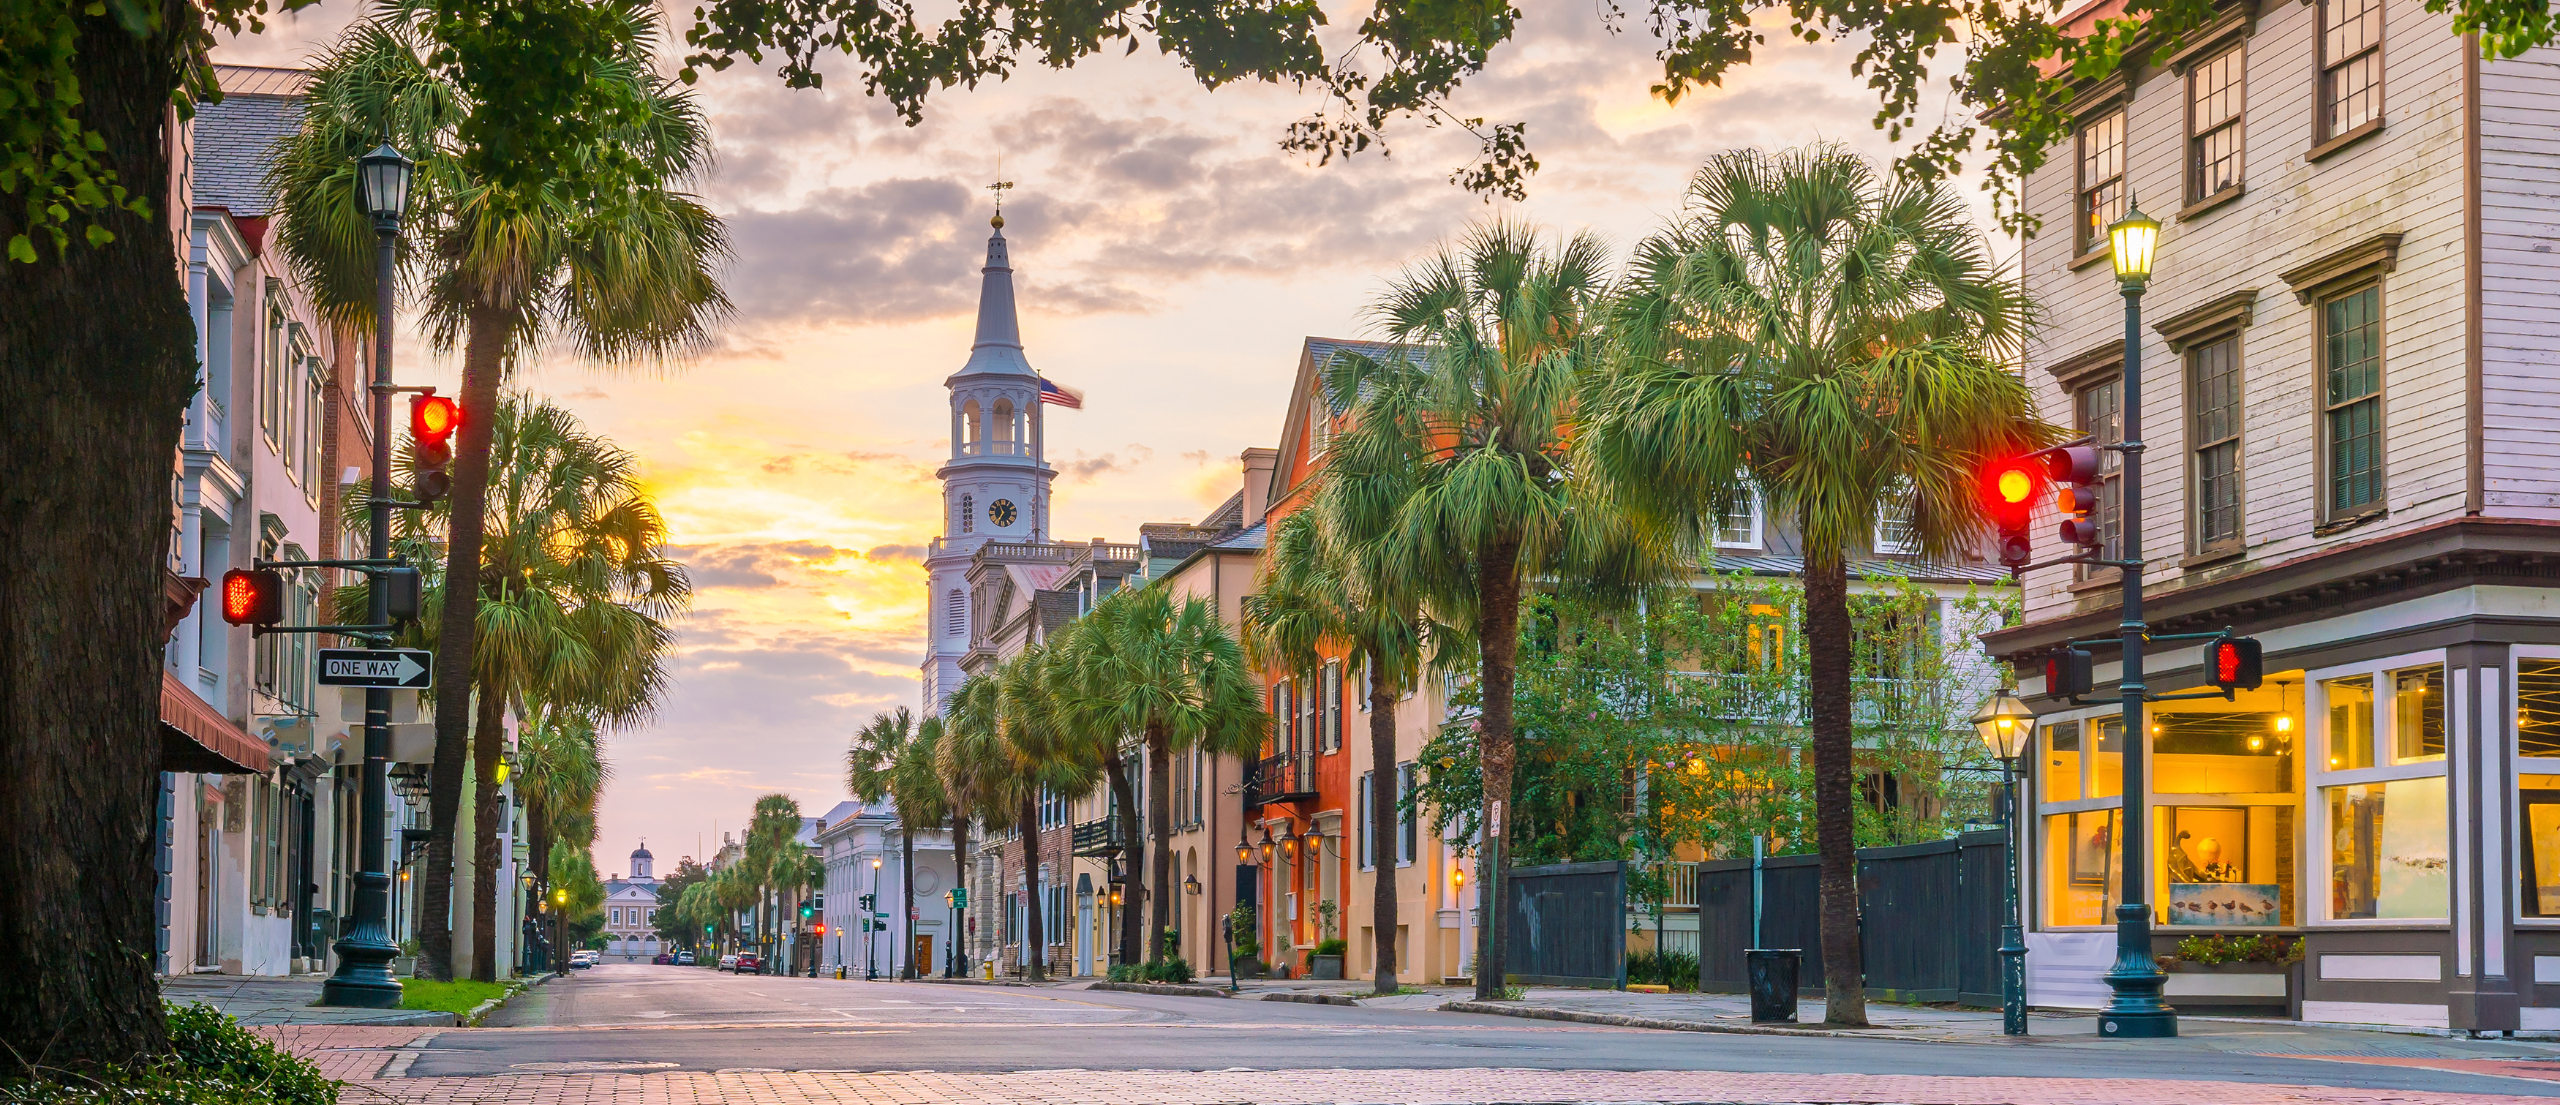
(1319, 423)
(2350, 66)
(1740, 526)
(2385, 839)
(1366, 794)
(1409, 819)
(2098, 411)
(968, 514)
(2351, 401)
(2101, 199)
(271, 364)
(2350, 729)
(1310, 713)
(955, 614)
(2387, 850)
(315, 407)
(1893, 534)
(2538, 709)
(2213, 417)
(1332, 706)
(2215, 105)
(2417, 715)
(1284, 729)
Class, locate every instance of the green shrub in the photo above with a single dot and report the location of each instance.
(1677, 970)
(212, 1061)
(1172, 968)
(1127, 972)
(1332, 945)
(2250, 948)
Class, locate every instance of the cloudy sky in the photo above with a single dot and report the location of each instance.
(1169, 259)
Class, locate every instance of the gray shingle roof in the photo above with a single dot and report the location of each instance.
(1249, 539)
(235, 143)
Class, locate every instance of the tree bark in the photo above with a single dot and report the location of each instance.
(907, 887)
(1134, 890)
(1160, 840)
(1034, 929)
(1499, 624)
(489, 820)
(1382, 827)
(1827, 655)
(955, 962)
(97, 359)
(457, 629)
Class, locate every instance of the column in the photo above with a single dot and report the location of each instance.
(2479, 799)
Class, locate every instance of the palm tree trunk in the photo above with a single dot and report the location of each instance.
(1160, 844)
(1035, 937)
(1499, 619)
(1827, 655)
(481, 365)
(97, 359)
(1117, 771)
(907, 888)
(489, 819)
(1382, 827)
(955, 962)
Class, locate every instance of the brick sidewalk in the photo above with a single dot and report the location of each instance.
(359, 1056)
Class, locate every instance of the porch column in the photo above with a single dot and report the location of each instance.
(2480, 787)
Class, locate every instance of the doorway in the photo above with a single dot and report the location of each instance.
(1084, 936)
(923, 952)
(208, 842)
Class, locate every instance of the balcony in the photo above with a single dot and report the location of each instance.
(1780, 701)
(1097, 838)
(1283, 778)
(995, 448)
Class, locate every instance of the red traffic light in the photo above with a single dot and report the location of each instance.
(821, 928)
(2068, 673)
(253, 596)
(2234, 663)
(2009, 490)
(433, 418)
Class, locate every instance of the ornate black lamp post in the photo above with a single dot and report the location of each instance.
(2009, 728)
(2134, 1008)
(363, 977)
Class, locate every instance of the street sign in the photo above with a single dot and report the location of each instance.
(404, 668)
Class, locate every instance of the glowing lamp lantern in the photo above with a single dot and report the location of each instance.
(2131, 240)
(2006, 725)
(382, 180)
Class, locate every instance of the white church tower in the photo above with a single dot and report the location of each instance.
(995, 487)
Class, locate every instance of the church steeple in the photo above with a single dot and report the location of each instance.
(996, 322)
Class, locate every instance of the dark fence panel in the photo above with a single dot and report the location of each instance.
(1911, 951)
(1791, 912)
(1568, 925)
(1724, 924)
(1929, 913)
(1984, 868)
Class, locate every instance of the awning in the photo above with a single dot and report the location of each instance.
(195, 737)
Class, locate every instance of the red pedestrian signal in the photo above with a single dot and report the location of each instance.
(2009, 490)
(253, 596)
(432, 421)
(2234, 663)
(2074, 469)
(2068, 673)
(821, 928)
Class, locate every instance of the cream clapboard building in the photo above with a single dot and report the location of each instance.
(2350, 367)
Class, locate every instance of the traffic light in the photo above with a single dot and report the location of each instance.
(2009, 495)
(2074, 469)
(253, 596)
(399, 591)
(805, 911)
(821, 928)
(432, 421)
(2068, 673)
(2234, 663)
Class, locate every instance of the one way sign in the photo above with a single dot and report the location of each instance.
(405, 668)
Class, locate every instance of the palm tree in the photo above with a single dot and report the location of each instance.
(1836, 342)
(768, 863)
(1455, 455)
(1042, 758)
(1168, 671)
(1322, 587)
(560, 771)
(605, 253)
(972, 763)
(893, 758)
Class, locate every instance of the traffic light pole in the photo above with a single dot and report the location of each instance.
(2134, 1008)
(363, 977)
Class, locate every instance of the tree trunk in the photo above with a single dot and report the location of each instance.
(1134, 889)
(1498, 586)
(907, 886)
(457, 628)
(1035, 937)
(97, 359)
(1160, 840)
(1382, 827)
(955, 962)
(489, 820)
(1827, 655)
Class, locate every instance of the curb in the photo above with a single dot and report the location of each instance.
(959, 981)
(1620, 1020)
(1161, 988)
(1312, 999)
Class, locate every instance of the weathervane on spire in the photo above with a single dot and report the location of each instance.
(1000, 186)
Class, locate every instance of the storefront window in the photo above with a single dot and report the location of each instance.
(2081, 874)
(2221, 753)
(2106, 759)
(2228, 865)
(2417, 714)
(2387, 852)
(2350, 721)
(2061, 762)
(2538, 707)
(2538, 806)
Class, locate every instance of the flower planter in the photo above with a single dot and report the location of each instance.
(2255, 985)
(1324, 968)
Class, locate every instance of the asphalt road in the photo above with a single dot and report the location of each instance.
(640, 1018)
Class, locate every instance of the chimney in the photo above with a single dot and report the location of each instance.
(1258, 464)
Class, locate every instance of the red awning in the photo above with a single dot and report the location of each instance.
(196, 737)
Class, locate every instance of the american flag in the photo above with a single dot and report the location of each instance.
(1053, 392)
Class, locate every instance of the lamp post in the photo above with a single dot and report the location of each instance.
(2134, 1008)
(871, 928)
(2009, 727)
(560, 930)
(363, 976)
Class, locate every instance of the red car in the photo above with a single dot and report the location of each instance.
(749, 963)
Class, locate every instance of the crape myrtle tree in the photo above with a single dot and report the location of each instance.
(86, 91)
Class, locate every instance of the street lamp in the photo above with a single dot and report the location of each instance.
(2009, 728)
(2134, 1008)
(363, 977)
(871, 928)
(560, 930)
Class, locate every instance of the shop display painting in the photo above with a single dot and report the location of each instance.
(2225, 903)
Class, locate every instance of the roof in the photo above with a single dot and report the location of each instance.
(1056, 609)
(236, 139)
(1249, 539)
(1228, 516)
(997, 349)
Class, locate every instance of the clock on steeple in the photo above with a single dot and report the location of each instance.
(1001, 512)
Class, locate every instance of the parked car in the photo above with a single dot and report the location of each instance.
(663, 959)
(729, 962)
(584, 958)
(684, 959)
(749, 963)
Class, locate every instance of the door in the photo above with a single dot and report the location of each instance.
(206, 846)
(1084, 936)
(923, 952)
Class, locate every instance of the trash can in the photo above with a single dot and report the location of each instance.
(1772, 973)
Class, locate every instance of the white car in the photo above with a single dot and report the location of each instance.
(584, 958)
(729, 962)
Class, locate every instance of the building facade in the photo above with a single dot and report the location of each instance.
(2347, 358)
(631, 909)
